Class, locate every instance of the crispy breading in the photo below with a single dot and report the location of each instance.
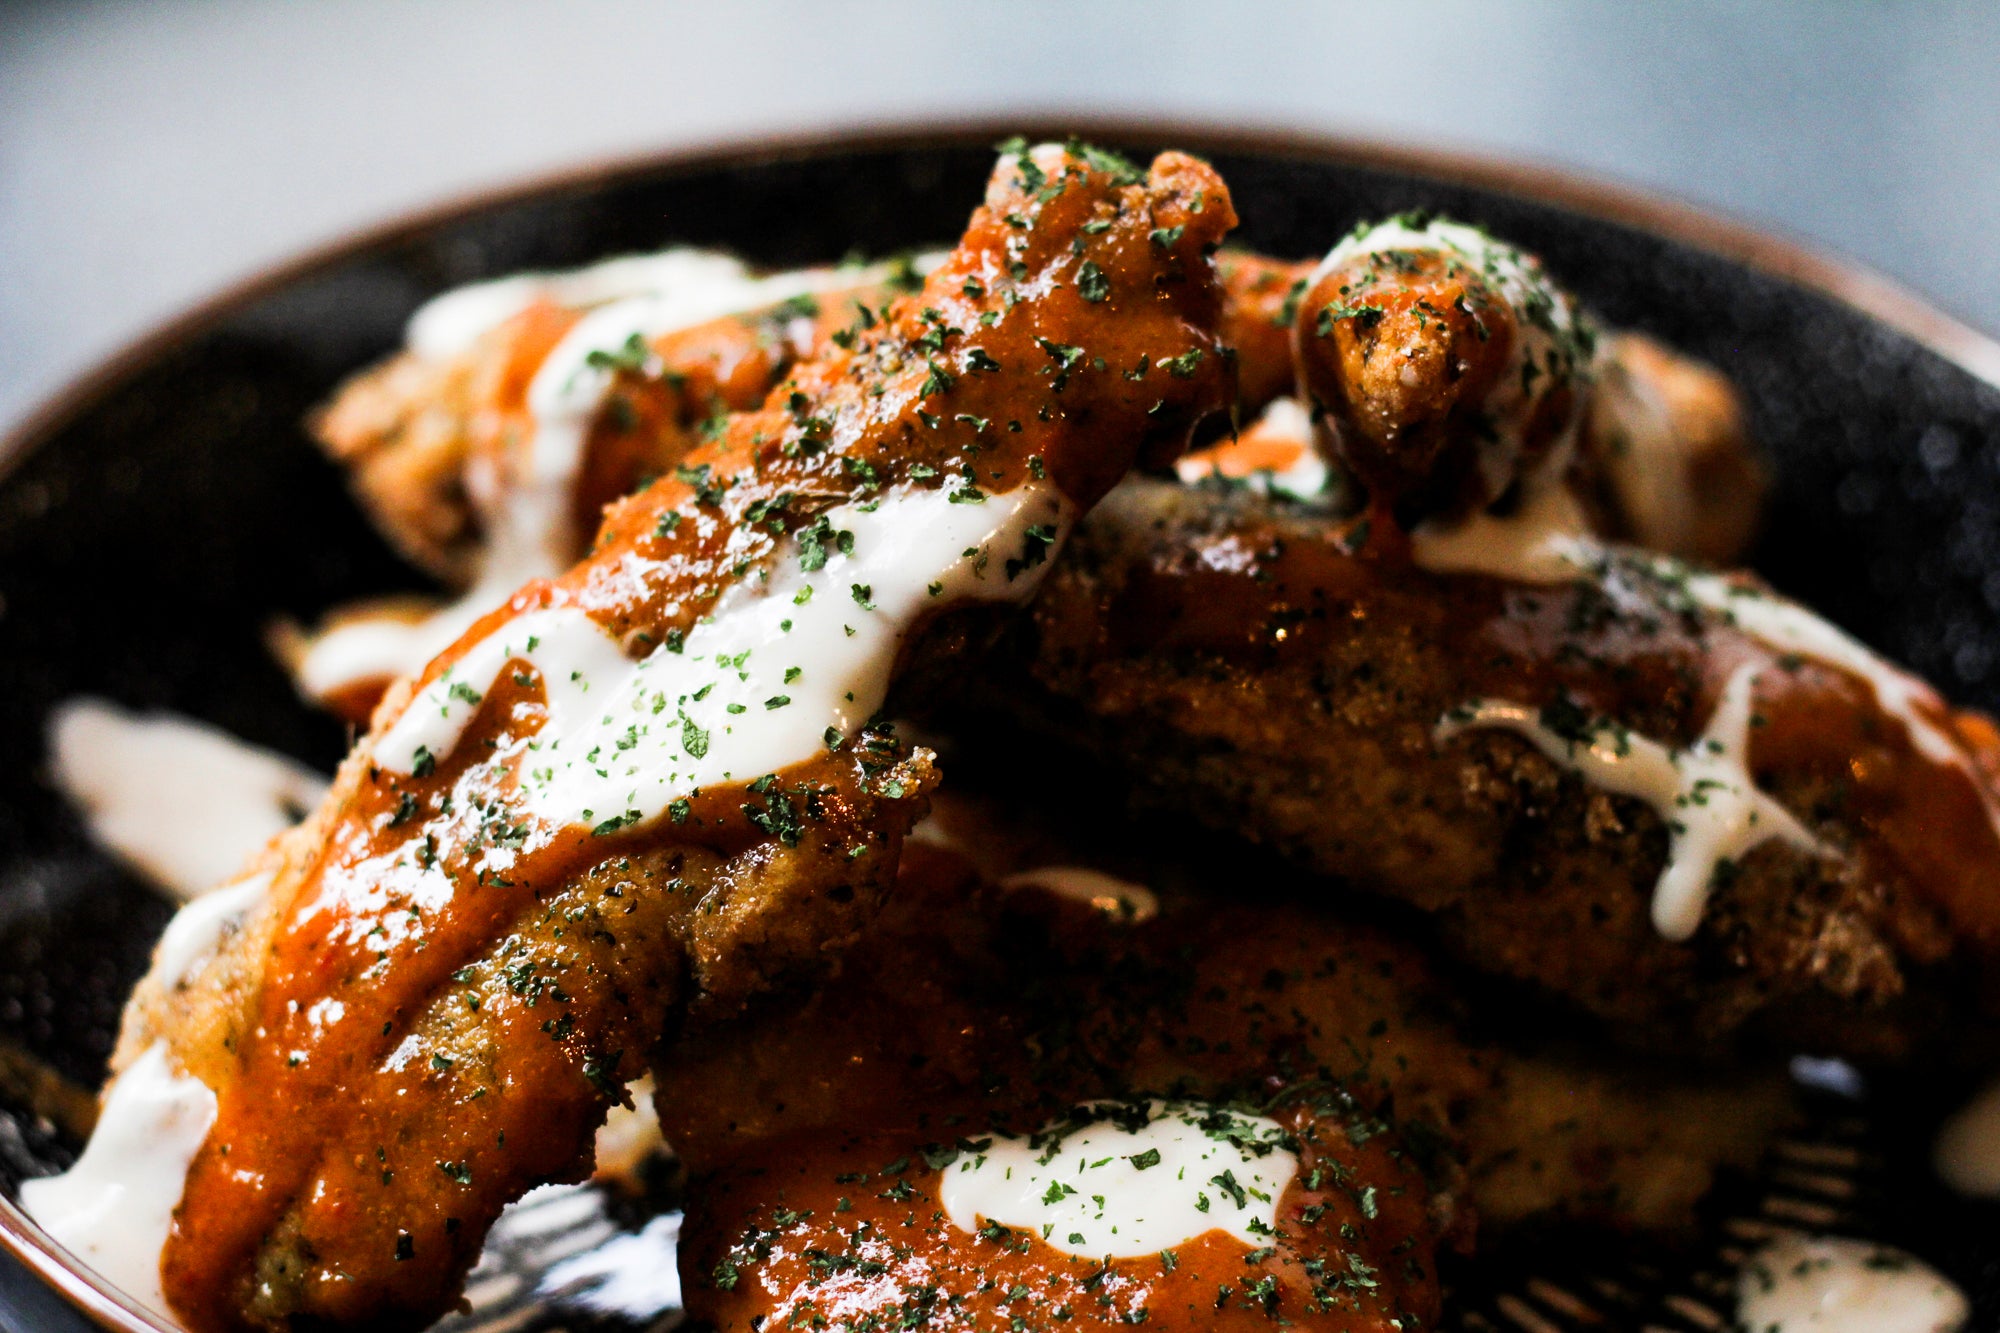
(1264, 670)
(445, 988)
(968, 1005)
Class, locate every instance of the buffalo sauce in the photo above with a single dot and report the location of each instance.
(852, 1231)
(455, 987)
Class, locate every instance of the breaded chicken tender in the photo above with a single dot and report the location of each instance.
(974, 1006)
(1672, 798)
(657, 783)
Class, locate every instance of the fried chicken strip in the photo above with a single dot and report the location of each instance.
(972, 1005)
(1671, 798)
(1666, 450)
(835, 1124)
(612, 800)
(488, 450)
(1735, 818)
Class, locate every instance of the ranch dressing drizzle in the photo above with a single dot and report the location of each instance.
(1545, 542)
(782, 663)
(1833, 1284)
(527, 518)
(1551, 346)
(184, 803)
(198, 930)
(449, 324)
(113, 1208)
(1136, 1180)
(1712, 807)
(1967, 1154)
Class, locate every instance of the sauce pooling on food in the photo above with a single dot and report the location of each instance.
(1126, 1180)
(535, 863)
(1306, 1224)
(1704, 792)
(784, 666)
(1546, 542)
(1543, 541)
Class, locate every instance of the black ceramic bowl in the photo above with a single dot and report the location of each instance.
(154, 520)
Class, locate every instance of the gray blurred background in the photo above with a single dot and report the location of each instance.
(152, 152)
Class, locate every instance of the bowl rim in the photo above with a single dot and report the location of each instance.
(1770, 251)
(1791, 259)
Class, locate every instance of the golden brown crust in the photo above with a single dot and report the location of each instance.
(1402, 368)
(966, 1006)
(398, 1060)
(432, 444)
(412, 431)
(1249, 665)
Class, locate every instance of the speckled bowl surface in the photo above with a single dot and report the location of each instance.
(153, 521)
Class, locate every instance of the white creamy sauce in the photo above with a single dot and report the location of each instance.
(1546, 542)
(199, 929)
(184, 803)
(1833, 1284)
(449, 324)
(1790, 628)
(1284, 422)
(756, 686)
(527, 516)
(113, 1208)
(1713, 809)
(1545, 350)
(1114, 897)
(1967, 1154)
(1117, 1188)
